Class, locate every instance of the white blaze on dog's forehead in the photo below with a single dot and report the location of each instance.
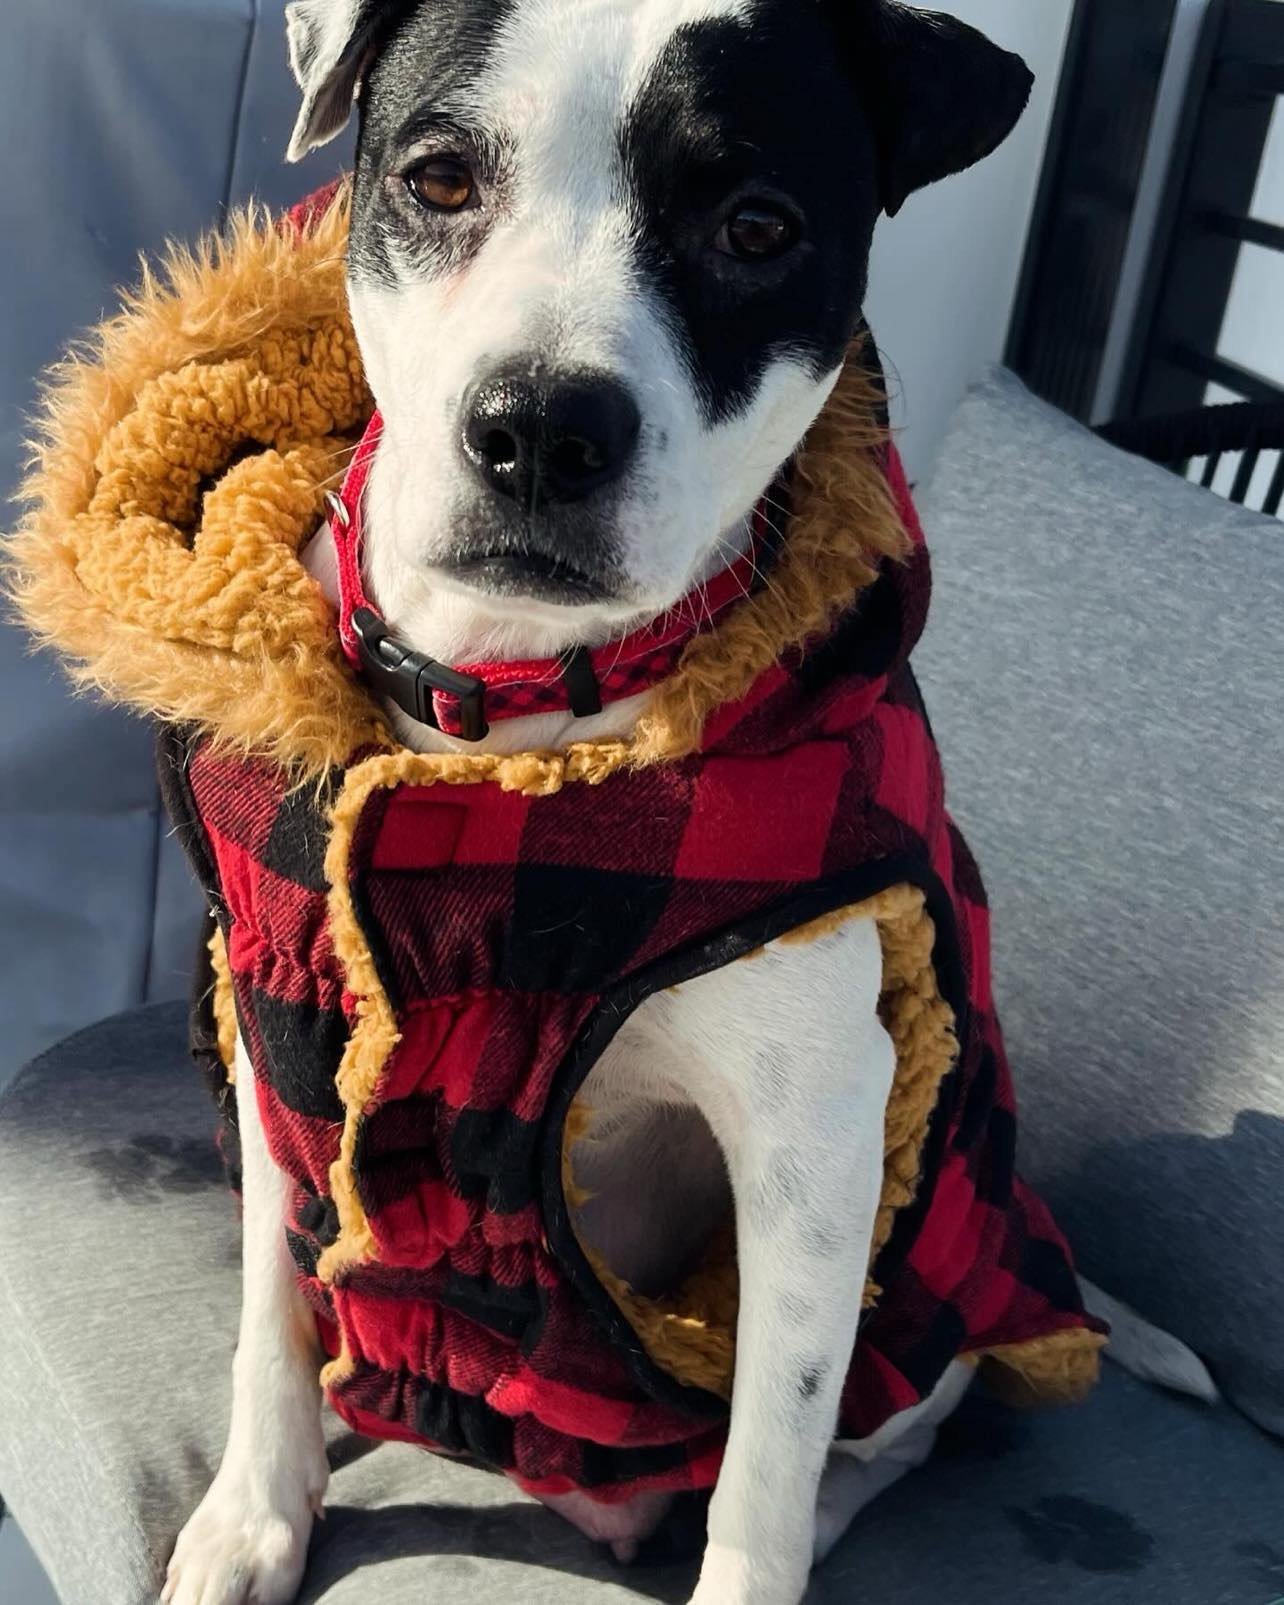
(563, 75)
(560, 80)
(604, 49)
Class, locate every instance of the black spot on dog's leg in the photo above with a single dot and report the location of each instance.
(812, 1380)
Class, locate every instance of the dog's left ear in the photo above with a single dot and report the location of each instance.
(331, 42)
(940, 95)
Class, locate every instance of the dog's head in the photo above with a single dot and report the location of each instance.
(606, 258)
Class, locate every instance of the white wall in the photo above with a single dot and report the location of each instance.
(1253, 333)
(944, 272)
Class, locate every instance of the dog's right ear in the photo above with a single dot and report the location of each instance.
(331, 42)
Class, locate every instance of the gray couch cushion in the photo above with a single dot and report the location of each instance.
(1103, 670)
(119, 1298)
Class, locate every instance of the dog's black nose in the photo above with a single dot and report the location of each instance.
(549, 438)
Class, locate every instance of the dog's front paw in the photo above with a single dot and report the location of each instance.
(731, 1576)
(242, 1548)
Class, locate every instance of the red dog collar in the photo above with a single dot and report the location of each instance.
(467, 700)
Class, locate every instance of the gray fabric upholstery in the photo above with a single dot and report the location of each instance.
(1104, 676)
(119, 1297)
(137, 121)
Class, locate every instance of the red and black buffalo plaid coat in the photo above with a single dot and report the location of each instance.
(512, 935)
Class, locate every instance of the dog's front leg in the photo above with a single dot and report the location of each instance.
(801, 1068)
(247, 1542)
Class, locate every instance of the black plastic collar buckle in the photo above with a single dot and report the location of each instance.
(409, 678)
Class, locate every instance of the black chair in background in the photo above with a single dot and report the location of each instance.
(1249, 430)
(1149, 205)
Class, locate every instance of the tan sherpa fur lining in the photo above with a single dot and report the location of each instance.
(196, 609)
(224, 1004)
(1059, 1368)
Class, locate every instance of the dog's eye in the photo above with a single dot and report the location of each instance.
(757, 231)
(443, 184)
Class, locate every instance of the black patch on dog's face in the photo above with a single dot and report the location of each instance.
(429, 63)
(732, 113)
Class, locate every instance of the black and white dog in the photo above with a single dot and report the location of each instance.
(629, 237)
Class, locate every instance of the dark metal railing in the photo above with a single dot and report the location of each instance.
(1247, 431)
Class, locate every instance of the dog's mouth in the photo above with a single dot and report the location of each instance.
(535, 575)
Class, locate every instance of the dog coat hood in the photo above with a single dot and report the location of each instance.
(425, 955)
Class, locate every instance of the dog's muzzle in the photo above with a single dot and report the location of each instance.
(466, 700)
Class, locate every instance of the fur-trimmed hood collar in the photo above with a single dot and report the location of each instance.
(181, 465)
